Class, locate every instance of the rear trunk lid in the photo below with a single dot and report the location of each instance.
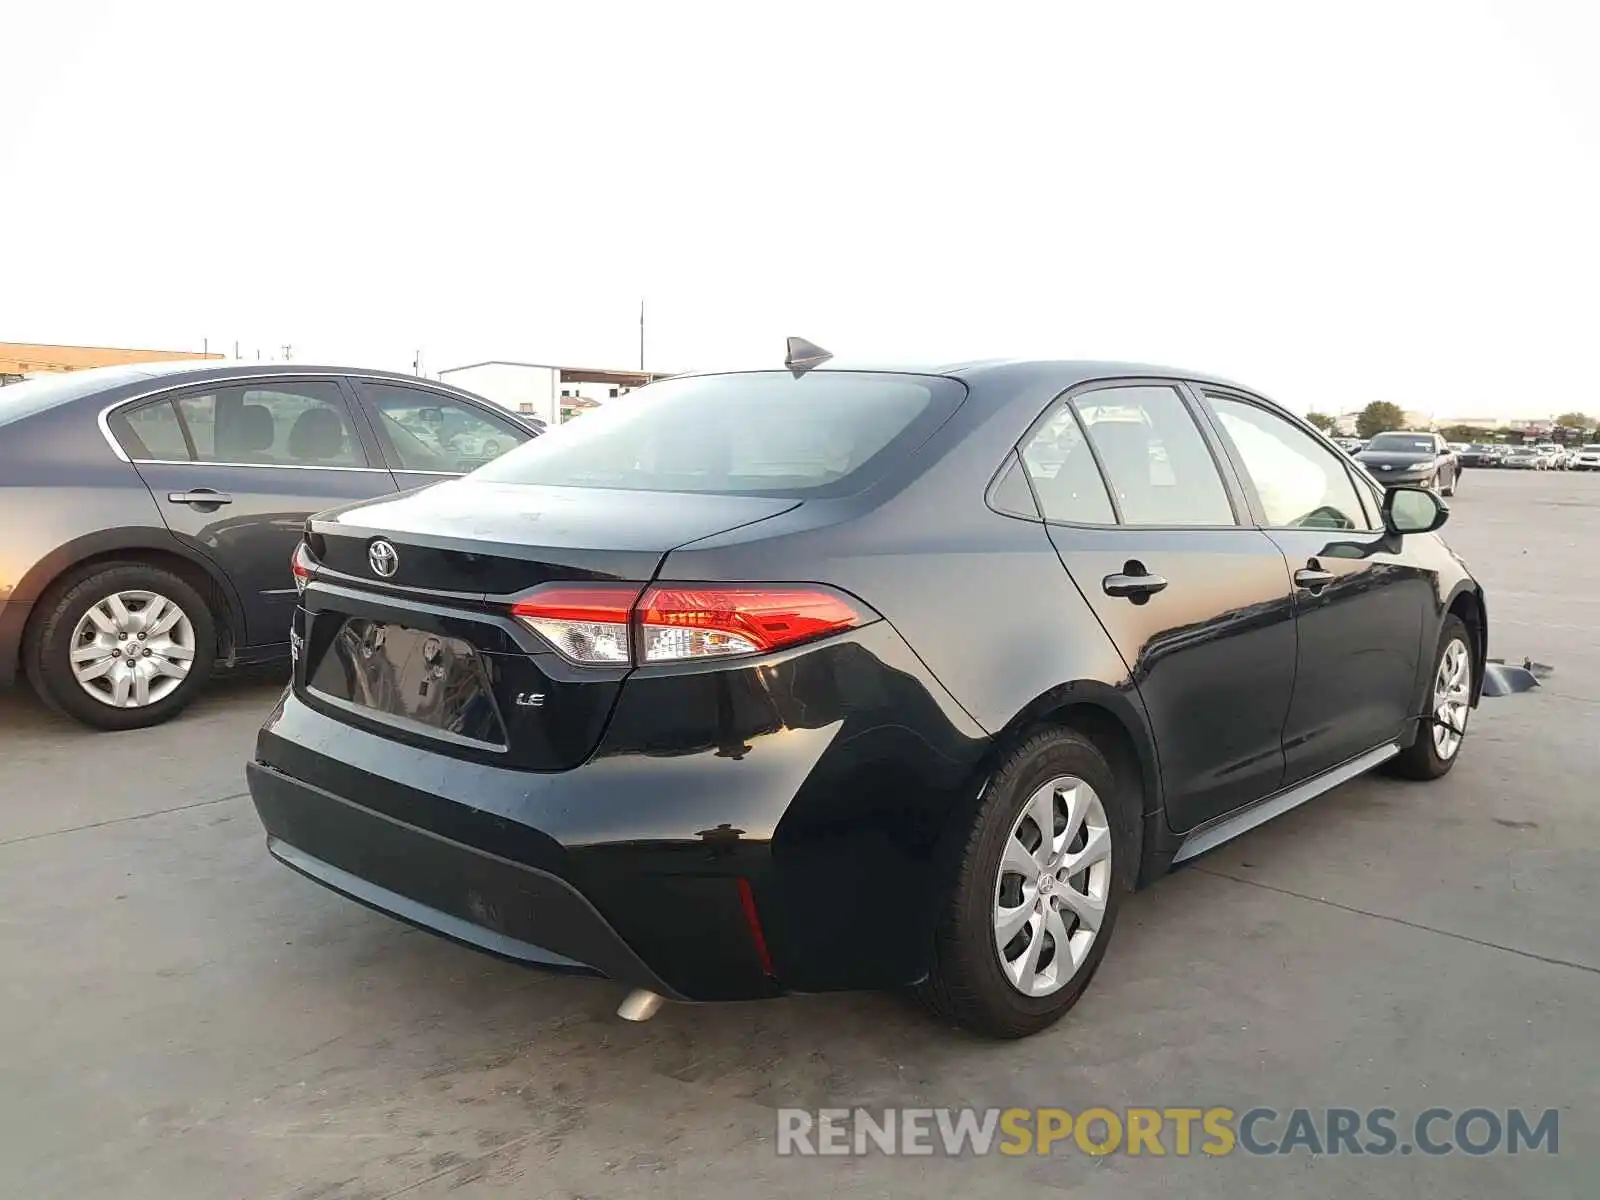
(477, 539)
(406, 627)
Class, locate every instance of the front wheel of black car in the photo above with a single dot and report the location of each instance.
(1449, 703)
(1037, 884)
(121, 646)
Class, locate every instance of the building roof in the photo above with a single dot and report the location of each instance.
(24, 357)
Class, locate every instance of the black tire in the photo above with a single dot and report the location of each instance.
(1421, 760)
(48, 645)
(1455, 478)
(966, 983)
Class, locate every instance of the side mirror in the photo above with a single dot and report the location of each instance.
(1413, 510)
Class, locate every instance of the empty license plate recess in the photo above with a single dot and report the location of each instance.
(428, 681)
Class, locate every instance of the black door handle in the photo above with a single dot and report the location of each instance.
(1313, 578)
(1133, 583)
(200, 496)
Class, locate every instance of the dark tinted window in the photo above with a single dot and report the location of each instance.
(150, 432)
(1160, 469)
(276, 423)
(754, 433)
(1300, 482)
(1064, 473)
(429, 431)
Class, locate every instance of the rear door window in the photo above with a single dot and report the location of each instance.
(755, 433)
(276, 423)
(1158, 464)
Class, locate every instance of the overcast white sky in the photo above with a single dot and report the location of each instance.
(1394, 200)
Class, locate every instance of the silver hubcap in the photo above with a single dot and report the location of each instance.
(1452, 691)
(132, 649)
(1055, 876)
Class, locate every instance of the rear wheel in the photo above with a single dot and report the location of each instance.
(1444, 727)
(121, 646)
(1036, 889)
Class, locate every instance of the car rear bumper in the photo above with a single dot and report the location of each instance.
(506, 908)
(738, 833)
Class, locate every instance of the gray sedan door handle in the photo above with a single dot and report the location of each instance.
(200, 496)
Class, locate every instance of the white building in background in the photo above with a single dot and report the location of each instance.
(550, 393)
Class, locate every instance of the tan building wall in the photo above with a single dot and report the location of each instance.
(22, 358)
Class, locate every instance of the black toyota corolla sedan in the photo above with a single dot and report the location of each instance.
(799, 680)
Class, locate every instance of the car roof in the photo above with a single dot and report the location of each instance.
(1066, 370)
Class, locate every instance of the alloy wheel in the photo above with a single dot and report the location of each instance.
(1452, 691)
(1054, 881)
(132, 649)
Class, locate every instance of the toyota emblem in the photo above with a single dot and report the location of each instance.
(383, 558)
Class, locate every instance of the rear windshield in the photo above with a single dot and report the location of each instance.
(758, 433)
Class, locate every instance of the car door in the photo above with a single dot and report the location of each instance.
(1147, 523)
(260, 455)
(1360, 605)
(429, 435)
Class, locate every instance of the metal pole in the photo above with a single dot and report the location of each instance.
(641, 333)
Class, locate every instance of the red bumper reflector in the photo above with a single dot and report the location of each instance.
(747, 901)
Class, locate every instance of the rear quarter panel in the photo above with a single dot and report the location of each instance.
(59, 481)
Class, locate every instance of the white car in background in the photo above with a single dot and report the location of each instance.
(1586, 458)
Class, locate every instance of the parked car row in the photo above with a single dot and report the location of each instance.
(151, 511)
(1542, 456)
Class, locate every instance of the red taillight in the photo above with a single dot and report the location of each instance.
(592, 624)
(302, 566)
(694, 621)
(587, 623)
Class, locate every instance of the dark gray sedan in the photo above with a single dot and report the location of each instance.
(150, 513)
(1412, 459)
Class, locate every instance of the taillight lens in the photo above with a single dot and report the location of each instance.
(302, 565)
(588, 624)
(691, 622)
(594, 624)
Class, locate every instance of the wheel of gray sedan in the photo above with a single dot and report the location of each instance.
(1037, 883)
(121, 646)
(1449, 704)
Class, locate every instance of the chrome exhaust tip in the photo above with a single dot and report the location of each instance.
(640, 1005)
